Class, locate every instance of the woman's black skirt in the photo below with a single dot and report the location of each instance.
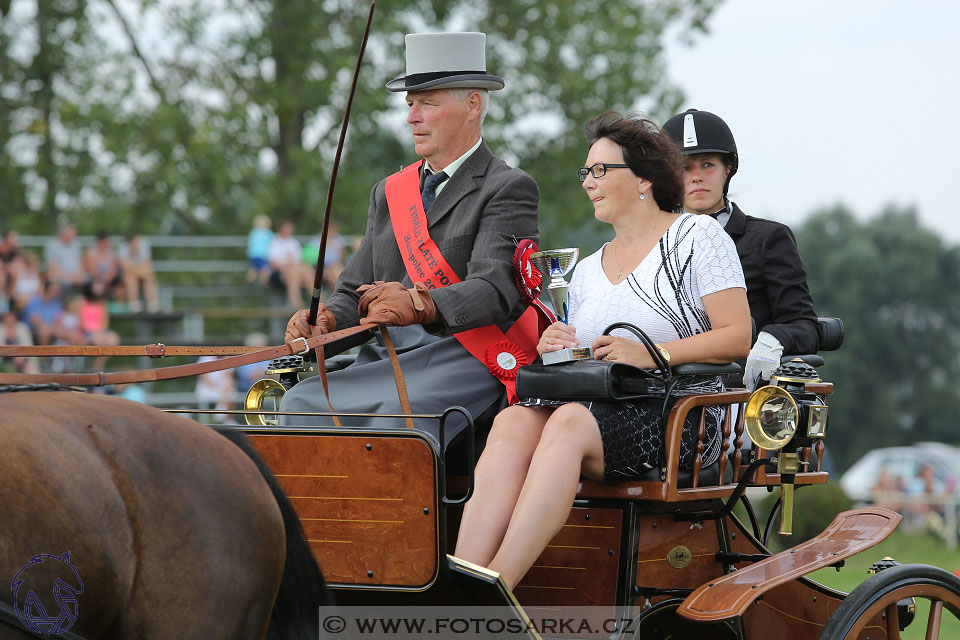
(632, 430)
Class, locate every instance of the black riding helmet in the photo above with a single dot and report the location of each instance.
(703, 132)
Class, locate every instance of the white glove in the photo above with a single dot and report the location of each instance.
(763, 360)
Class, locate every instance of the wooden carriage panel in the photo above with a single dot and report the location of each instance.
(796, 610)
(675, 554)
(367, 503)
(579, 566)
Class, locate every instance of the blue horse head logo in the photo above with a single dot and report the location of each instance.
(42, 577)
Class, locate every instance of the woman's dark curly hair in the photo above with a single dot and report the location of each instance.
(649, 152)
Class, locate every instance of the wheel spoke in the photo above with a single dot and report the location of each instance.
(933, 621)
(893, 622)
(873, 604)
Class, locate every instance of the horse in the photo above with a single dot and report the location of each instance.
(173, 529)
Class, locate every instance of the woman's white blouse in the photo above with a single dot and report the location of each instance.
(664, 294)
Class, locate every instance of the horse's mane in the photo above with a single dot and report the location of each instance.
(303, 588)
(40, 386)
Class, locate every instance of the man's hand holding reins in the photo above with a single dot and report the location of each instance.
(298, 327)
(392, 304)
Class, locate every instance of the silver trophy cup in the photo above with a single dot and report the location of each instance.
(555, 264)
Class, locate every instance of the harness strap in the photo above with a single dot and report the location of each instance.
(397, 375)
(299, 346)
(322, 372)
(156, 350)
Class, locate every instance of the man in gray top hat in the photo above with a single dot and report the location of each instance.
(436, 258)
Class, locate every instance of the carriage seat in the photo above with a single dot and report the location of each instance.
(664, 483)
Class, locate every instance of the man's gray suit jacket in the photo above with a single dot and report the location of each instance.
(475, 220)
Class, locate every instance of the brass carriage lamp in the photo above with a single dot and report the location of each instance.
(773, 418)
(266, 393)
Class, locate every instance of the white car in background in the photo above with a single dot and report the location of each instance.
(903, 465)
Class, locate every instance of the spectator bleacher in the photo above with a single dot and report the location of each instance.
(204, 297)
(203, 293)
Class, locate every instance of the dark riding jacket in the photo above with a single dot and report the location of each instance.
(780, 301)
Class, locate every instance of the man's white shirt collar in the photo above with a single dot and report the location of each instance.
(452, 168)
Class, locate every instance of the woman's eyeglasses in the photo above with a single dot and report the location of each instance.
(598, 170)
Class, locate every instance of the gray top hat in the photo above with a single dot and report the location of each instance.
(447, 60)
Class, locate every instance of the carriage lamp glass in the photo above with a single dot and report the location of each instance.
(817, 422)
(264, 395)
(771, 417)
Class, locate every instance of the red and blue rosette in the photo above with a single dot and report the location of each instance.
(504, 359)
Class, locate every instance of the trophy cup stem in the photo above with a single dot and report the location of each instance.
(559, 298)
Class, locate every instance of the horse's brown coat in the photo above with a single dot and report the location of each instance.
(169, 525)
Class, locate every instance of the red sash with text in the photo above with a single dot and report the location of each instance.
(503, 354)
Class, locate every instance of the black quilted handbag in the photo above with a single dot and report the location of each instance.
(596, 379)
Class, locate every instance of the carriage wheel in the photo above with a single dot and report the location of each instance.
(661, 622)
(878, 595)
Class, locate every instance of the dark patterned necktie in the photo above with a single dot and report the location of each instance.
(429, 193)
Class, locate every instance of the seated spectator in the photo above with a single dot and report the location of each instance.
(927, 508)
(247, 374)
(215, 388)
(43, 311)
(334, 255)
(13, 332)
(95, 321)
(258, 241)
(285, 257)
(886, 489)
(69, 327)
(11, 258)
(136, 269)
(64, 259)
(102, 264)
(28, 281)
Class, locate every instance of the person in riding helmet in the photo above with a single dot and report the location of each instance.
(780, 301)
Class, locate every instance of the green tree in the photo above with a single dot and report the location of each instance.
(194, 117)
(897, 288)
(39, 110)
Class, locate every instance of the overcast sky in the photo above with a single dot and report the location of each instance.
(835, 101)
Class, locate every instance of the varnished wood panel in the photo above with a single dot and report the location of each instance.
(795, 610)
(579, 566)
(657, 536)
(367, 503)
(850, 532)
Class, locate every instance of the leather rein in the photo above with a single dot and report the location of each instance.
(246, 355)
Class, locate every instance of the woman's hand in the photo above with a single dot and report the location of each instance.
(557, 336)
(626, 350)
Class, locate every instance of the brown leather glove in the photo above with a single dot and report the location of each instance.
(297, 327)
(391, 304)
(367, 287)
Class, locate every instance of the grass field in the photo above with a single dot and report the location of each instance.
(906, 549)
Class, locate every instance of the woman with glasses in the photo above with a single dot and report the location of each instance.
(676, 276)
